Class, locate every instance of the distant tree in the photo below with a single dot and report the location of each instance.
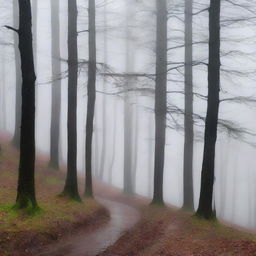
(2, 92)
(104, 98)
(71, 186)
(18, 81)
(160, 99)
(56, 86)
(91, 97)
(128, 113)
(205, 209)
(26, 184)
(188, 193)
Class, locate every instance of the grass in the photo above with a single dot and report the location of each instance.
(56, 214)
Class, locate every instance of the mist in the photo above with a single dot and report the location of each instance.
(138, 121)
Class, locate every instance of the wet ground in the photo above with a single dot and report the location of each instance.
(122, 218)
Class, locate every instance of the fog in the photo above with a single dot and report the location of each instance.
(235, 174)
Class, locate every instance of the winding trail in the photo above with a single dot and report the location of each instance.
(122, 218)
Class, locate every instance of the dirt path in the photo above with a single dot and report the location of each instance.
(122, 218)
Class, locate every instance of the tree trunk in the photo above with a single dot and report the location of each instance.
(128, 118)
(18, 82)
(104, 109)
(56, 86)
(188, 193)
(71, 187)
(26, 185)
(135, 143)
(207, 177)
(91, 97)
(110, 172)
(160, 99)
(3, 93)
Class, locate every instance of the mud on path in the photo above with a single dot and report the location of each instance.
(124, 214)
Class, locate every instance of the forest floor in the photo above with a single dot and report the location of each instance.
(172, 232)
(160, 230)
(23, 233)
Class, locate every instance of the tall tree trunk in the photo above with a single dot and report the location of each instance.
(3, 92)
(207, 177)
(160, 99)
(56, 86)
(71, 187)
(112, 162)
(104, 109)
(188, 193)
(91, 97)
(135, 143)
(150, 154)
(128, 119)
(26, 185)
(18, 82)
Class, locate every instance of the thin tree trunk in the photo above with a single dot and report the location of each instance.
(160, 100)
(128, 119)
(56, 86)
(18, 82)
(188, 193)
(3, 92)
(135, 144)
(71, 186)
(207, 178)
(91, 97)
(150, 155)
(104, 109)
(26, 184)
(112, 162)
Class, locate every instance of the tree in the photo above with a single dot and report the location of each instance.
(205, 209)
(188, 193)
(91, 97)
(26, 184)
(104, 100)
(71, 186)
(56, 86)
(160, 99)
(128, 114)
(18, 82)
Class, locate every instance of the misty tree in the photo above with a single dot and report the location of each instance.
(91, 92)
(128, 117)
(56, 86)
(71, 186)
(26, 184)
(205, 208)
(160, 99)
(188, 193)
(104, 98)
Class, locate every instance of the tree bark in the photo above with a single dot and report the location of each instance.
(104, 109)
(91, 97)
(71, 187)
(128, 115)
(160, 100)
(56, 86)
(18, 82)
(207, 177)
(188, 193)
(26, 184)
(112, 162)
